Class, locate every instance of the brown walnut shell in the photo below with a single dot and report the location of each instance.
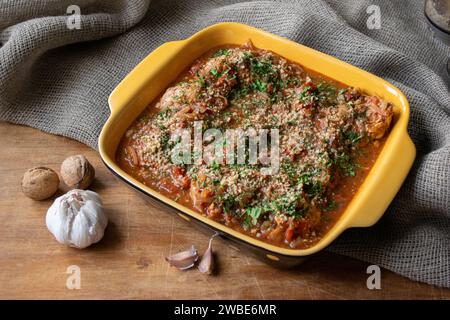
(40, 183)
(77, 172)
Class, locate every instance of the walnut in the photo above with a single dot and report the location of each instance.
(40, 183)
(77, 172)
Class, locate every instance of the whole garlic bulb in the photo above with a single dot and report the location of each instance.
(77, 219)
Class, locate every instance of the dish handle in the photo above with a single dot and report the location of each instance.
(134, 82)
(387, 185)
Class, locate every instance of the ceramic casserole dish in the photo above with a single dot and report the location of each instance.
(158, 70)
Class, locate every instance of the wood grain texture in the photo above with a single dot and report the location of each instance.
(129, 262)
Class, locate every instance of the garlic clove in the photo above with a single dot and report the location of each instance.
(183, 260)
(206, 264)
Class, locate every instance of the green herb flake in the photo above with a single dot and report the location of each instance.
(214, 72)
(258, 85)
(254, 213)
(201, 81)
(346, 165)
(222, 52)
(215, 165)
(352, 136)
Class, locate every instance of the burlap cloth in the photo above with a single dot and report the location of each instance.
(58, 79)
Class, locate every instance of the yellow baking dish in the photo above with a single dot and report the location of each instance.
(155, 73)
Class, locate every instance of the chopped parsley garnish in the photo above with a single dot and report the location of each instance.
(261, 67)
(222, 52)
(331, 206)
(239, 92)
(163, 115)
(258, 85)
(345, 164)
(287, 205)
(254, 214)
(201, 81)
(310, 95)
(214, 72)
(165, 139)
(352, 136)
(215, 165)
(228, 202)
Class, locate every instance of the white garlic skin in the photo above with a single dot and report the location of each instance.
(77, 219)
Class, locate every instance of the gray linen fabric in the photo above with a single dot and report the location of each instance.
(58, 80)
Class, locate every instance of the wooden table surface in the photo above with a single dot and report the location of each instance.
(129, 262)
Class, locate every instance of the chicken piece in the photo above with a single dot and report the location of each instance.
(201, 196)
(179, 177)
(177, 97)
(132, 156)
(214, 211)
(222, 72)
(276, 234)
(213, 67)
(379, 117)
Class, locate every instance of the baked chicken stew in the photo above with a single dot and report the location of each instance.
(329, 136)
